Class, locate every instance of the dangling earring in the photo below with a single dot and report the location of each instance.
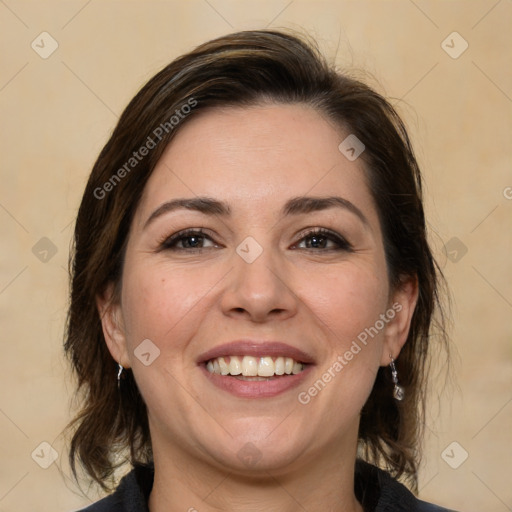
(398, 391)
(119, 372)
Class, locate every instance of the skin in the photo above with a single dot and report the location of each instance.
(318, 299)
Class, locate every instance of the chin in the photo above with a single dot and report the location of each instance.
(252, 452)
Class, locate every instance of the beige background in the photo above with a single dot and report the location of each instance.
(57, 113)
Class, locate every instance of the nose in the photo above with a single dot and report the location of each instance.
(259, 291)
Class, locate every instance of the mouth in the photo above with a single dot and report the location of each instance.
(251, 369)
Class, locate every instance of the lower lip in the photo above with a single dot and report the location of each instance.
(257, 388)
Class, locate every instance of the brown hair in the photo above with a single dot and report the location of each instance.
(244, 68)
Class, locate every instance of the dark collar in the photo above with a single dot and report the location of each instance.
(376, 490)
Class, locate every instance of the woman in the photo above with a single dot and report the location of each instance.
(253, 291)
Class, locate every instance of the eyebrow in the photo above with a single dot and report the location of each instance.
(295, 206)
(302, 205)
(204, 205)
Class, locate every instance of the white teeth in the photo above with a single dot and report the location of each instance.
(297, 367)
(266, 367)
(279, 366)
(249, 366)
(235, 366)
(224, 368)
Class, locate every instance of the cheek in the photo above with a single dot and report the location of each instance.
(162, 304)
(347, 301)
(348, 306)
(167, 311)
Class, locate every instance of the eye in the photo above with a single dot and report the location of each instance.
(323, 240)
(187, 240)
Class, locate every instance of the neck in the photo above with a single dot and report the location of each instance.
(319, 484)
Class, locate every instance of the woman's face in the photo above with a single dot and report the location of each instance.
(256, 234)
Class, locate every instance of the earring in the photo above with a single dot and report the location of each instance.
(119, 372)
(398, 391)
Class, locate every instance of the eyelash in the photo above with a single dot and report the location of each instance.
(169, 243)
(343, 244)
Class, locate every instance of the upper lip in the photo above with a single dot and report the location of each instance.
(256, 349)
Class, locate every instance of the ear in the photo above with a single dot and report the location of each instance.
(110, 311)
(402, 302)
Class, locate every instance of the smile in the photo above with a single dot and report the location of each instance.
(255, 377)
(253, 367)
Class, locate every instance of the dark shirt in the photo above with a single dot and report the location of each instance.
(375, 489)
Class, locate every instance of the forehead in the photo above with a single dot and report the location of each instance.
(257, 156)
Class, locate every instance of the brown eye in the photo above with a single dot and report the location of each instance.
(188, 240)
(317, 242)
(323, 240)
(191, 242)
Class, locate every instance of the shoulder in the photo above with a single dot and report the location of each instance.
(423, 506)
(108, 504)
(131, 495)
(378, 491)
